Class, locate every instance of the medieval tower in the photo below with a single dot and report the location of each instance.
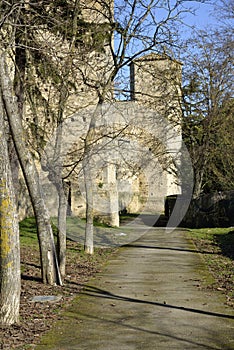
(136, 142)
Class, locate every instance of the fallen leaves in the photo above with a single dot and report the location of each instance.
(36, 318)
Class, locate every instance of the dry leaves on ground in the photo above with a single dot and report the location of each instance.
(37, 318)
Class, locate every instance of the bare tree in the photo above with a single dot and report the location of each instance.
(138, 28)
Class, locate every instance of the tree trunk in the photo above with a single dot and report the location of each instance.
(88, 245)
(14, 163)
(62, 229)
(60, 185)
(87, 170)
(88, 180)
(10, 282)
(49, 263)
(56, 176)
(19, 79)
(198, 181)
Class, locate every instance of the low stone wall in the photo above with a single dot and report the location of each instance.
(211, 210)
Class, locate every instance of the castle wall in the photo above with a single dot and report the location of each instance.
(129, 161)
(156, 84)
(134, 143)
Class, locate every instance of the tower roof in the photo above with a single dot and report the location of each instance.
(153, 56)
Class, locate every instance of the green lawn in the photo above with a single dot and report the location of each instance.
(217, 248)
(215, 244)
(28, 232)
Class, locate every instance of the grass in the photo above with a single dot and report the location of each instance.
(75, 250)
(215, 244)
(75, 226)
(217, 248)
(104, 235)
(28, 232)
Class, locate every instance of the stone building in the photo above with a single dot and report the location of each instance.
(135, 157)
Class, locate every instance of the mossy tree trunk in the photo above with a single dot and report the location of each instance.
(10, 282)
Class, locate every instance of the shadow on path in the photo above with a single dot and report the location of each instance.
(140, 329)
(100, 293)
(167, 248)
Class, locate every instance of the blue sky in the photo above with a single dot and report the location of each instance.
(203, 14)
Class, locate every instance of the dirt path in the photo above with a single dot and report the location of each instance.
(150, 296)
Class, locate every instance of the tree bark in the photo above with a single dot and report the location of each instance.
(10, 282)
(19, 79)
(56, 176)
(49, 263)
(88, 245)
(198, 181)
(87, 171)
(62, 228)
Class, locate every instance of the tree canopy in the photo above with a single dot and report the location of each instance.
(208, 110)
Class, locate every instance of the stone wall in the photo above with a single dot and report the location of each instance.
(135, 142)
(129, 162)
